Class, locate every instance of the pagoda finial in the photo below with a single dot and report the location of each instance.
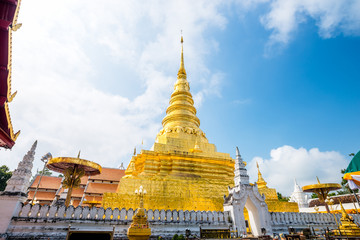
(237, 152)
(260, 182)
(182, 72)
(344, 214)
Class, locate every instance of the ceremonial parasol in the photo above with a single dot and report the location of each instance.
(352, 172)
(73, 169)
(322, 190)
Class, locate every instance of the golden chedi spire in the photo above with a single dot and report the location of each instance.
(182, 72)
(181, 121)
(260, 182)
(182, 170)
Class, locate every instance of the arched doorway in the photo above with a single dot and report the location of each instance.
(246, 195)
(254, 218)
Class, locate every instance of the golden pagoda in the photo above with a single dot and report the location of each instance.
(182, 170)
(271, 197)
(139, 228)
(347, 227)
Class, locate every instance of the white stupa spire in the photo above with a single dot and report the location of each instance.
(20, 179)
(241, 176)
(299, 196)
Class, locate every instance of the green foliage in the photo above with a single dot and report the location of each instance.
(314, 195)
(5, 175)
(47, 172)
(175, 237)
(282, 198)
(181, 237)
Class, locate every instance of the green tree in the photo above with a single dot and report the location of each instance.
(47, 172)
(314, 195)
(5, 175)
(282, 198)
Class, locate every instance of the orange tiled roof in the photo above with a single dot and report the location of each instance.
(93, 198)
(76, 192)
(47, 182)
(83, 180)
(101, 188)
(42, 196)
(109, 174)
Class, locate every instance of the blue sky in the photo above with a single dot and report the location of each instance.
(277, 78)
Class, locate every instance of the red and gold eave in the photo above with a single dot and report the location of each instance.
(8, 22)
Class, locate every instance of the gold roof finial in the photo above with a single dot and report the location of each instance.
(344, 214)
(318, 180)
(260, 182)
(182, 72)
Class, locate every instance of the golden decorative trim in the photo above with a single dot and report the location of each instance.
(13, 27)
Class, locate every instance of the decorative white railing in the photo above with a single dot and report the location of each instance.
(85, 213)
(294, 219)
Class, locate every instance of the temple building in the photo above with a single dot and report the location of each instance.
(299, 196)
(89, 193)
(182, 170)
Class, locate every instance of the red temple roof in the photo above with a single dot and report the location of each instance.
(8, 18)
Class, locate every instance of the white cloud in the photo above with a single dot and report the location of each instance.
(332, 17)
(287, 163)
(59, 60)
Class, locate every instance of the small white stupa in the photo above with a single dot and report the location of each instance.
(298, 196)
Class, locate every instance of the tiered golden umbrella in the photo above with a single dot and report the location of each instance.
(322, 190)
(73, 169)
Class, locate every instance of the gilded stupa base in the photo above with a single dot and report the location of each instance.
(138, 233)
(173, 194)
(274, 205)
(175, 180)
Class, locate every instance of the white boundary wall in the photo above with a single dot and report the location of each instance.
(281, 221)
(45, 222)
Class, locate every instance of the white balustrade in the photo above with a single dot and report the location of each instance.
(44, 211)
(69, 212)
(150, 214)
(162, 215)
(115, 214)
(108, 214)
(123, 214)
(34, 211)
(85, 213)
(78, 211)
(168, 215)
(175, 215)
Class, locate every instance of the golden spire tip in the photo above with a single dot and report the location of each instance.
(182, 72)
